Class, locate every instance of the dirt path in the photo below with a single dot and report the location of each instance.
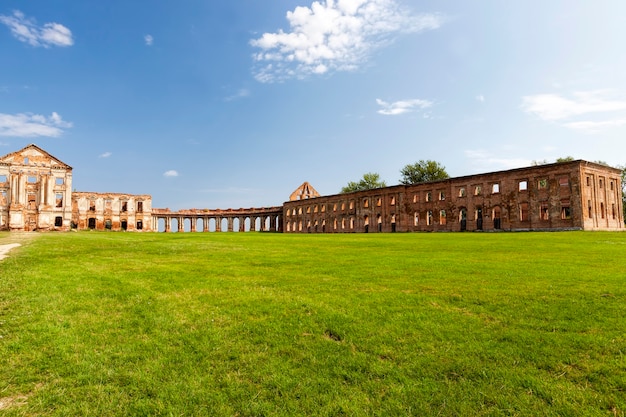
(15, 239)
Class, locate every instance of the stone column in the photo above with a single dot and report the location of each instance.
(218, 224)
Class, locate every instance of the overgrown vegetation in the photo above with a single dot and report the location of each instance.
(254, 324)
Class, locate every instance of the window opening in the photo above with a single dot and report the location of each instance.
(59, 200)
(59, 181)
(477, 190)
(107, 224)
(32, 201)
(379, 202)
(523, 185)
(92, 205)
(429, 196)
(58, 221)
(542, 184)
(495, 188)
(589, 208)
(543, 211)
(3, 178)
(91, 223)
(566, 213)
(124, 206)
(602, 210)
(124, 225)
(442, 217)
(351, 204)
(462, 192)
(393, 201)
(563, 181)
(32, 179)
(139, 206)
(429, 217)
(523, 212)
(416, 219)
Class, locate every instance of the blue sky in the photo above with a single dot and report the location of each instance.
(215, 104)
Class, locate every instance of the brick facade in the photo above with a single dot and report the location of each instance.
(575, 195)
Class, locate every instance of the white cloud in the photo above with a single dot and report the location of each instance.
(480, 98)
(105, 155)
(333, 35)
(26, 125)
(26, 30)
(148, 39)
(242, 93)
(403, 106)
(170, 173)
(486, 161)
(576, 112)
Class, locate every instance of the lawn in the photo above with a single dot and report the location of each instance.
(260, 324)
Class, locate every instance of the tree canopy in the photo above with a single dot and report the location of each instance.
(369, 181)
(423, 171)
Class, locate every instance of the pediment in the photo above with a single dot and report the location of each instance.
(303, 192)
(32, 155)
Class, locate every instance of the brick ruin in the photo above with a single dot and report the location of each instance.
(36, 194)
(576, 195)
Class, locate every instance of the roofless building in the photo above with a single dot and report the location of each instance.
(36, 194)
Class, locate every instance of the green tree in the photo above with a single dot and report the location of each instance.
(565, 159)
(369, 181)
(423, 171)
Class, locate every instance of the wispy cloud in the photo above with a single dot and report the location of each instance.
(105, 155)
(486, 161)
(242, 93)
(26, 30)
(480, 98)
(171, 173)
(333, 35)
(148, 39)
(402, 106)
(25, 125)
(576, 112)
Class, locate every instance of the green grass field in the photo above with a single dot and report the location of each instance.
(257, 324)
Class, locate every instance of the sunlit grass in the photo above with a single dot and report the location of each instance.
(271, 324)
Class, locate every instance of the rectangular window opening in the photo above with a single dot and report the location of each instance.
(566, 213)
(523, 212)
(523, 185)
(542, 184)
(543, 211)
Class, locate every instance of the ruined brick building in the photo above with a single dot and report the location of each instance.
(36, 194)
(576, 195)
